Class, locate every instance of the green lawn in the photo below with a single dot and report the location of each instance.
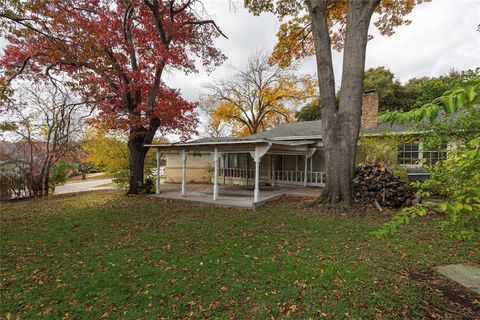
(104, 254)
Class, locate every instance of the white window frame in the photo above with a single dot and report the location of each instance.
(421, 154)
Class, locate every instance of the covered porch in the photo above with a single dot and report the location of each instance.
(236, 196)
(267, 167)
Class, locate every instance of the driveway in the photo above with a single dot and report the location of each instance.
(83, 186)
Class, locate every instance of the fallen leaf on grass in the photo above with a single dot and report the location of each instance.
(288, 308)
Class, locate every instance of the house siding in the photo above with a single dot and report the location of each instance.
(197, 164)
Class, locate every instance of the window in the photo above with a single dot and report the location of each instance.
(411, 154)
(431, 157)
(408, 153)
(232, 160)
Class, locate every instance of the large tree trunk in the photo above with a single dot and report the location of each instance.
(137, 160)
(341, 126)
(139, 137)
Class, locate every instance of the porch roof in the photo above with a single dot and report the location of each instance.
(222, 143)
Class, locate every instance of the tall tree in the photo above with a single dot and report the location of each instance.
(257, 98)
(316, 27)
(393, 96)
(309, 112)
(419, 91)
(390, 90)
(115, 51)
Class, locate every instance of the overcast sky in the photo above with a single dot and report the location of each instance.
(443, 35)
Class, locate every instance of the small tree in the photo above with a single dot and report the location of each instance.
(390, 90)
(309, 112)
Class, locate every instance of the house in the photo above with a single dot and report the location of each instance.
(290, 154)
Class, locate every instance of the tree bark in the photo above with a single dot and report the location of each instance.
(137, 160)
(139, 137)
(341, 126)
(45, 182)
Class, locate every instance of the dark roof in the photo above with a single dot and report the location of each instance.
(215, 139)
(314, 128)
(296, 129)
(385, 127)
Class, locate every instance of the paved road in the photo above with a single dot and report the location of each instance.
(83, 186)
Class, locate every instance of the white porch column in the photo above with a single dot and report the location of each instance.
(306, 172)
(272, 157)
(158, 172)
(256, 192)
(308, 155)
(216, 157)
(184, 172)
(259, 152)
(224, 157)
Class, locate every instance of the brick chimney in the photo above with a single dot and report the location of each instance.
(369, 109)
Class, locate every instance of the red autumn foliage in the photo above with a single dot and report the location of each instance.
(115, 52)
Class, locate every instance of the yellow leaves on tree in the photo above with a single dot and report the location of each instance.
(258, 98)
(295, 38)
(108, 150)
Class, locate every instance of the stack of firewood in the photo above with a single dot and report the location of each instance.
(377, 184)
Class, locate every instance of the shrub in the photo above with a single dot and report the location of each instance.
(374, 151)
(456, 179)
(59, 174)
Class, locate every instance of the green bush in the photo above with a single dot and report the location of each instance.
(382, 151)
(456, 179)
(148, 186)
(121, 178)
(59, 174)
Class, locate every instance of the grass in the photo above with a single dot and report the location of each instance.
(107, 255)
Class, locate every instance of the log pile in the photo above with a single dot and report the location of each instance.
(377, 183)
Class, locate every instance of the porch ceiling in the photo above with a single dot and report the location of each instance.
(276, 146)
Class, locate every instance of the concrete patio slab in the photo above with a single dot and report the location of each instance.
(467, 276)
(232, 195)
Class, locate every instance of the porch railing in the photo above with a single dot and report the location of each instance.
(316, 178)
(289, 176)
(237, 173)
(313, 177)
